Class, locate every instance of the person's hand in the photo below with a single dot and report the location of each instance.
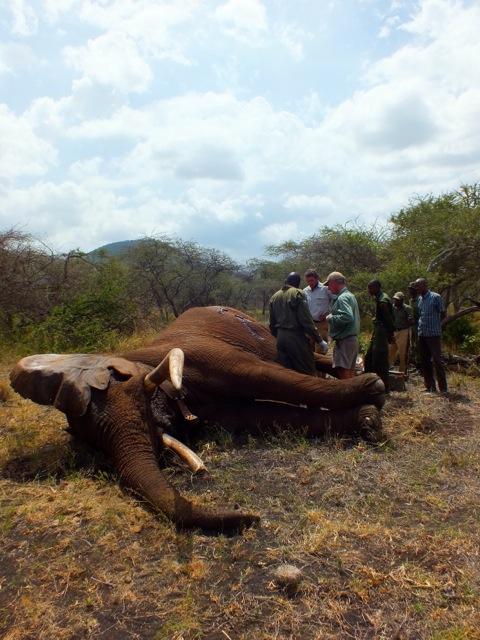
(323, 347)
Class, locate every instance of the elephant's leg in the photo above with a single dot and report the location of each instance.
(270, 381)
(258, 418)
(323, 364)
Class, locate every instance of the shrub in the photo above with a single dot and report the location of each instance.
(463, 334)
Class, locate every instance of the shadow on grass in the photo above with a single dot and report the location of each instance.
(461, 398)
(56, 461)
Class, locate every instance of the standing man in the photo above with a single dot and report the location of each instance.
(403, 318)
(292, 324)
(413, 293)
(318, 298)
(376, 358)
(431, 312)
(343, 325)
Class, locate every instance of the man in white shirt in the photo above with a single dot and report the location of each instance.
(318, 298)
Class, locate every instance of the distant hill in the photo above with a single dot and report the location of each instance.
(114, 249)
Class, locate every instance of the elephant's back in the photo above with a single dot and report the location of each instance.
(201, 330)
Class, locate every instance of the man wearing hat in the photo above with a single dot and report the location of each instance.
(292, 324)
(343, 325)
(403, 320)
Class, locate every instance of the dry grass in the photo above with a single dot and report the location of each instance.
(387, 537)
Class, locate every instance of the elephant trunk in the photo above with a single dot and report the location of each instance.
(135, 459)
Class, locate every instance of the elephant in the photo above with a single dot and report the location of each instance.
(222, 364)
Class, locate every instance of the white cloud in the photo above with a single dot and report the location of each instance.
(302, 202)
(112, 59)
(292, 38)
(280, 232)
(22, 152)
(210, 161)
(55, 9)
(199, 136)
(147, 146)
(388, 25)
(25, 20)
(243, 19)
(70, 214)
(152, 25)
(15, 57)
(228, 210)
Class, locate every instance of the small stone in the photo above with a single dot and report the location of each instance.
(288, 577)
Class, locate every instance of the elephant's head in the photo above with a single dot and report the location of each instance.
(108, 403)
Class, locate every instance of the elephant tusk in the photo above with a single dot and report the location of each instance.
(187, 455)
(170, 368)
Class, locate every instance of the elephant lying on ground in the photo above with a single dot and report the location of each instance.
(222, 362)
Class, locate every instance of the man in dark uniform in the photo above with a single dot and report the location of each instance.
(376, 358)
(292, 324)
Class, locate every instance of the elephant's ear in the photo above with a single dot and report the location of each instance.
(65, 380)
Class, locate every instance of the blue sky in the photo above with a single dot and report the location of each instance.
(235, 123)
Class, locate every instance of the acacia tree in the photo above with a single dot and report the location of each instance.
(349, 249)
(438, 237)
(175, 275)
(262, 277)
(356, 251)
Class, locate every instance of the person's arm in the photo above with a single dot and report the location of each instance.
(328, 301)
(409, 314)
(442, 310)
(386, 316)
(305, 319)
(342, 316)
(272, 320)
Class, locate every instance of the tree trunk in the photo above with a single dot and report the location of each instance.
(460, 314)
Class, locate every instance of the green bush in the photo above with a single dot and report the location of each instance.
(90, 321)
(463, 334)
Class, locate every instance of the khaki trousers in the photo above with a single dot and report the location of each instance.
(322, 328)
(401, 347)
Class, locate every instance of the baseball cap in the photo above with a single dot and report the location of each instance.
(335, 275)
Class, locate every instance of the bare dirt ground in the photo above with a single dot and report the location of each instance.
(387, 537)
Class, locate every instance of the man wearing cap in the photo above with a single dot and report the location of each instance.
(292, 324)
(343, 325)
(431, 312)
(318, 298)
(403, 320)
(376, 358)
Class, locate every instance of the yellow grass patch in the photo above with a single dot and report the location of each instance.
(386, 537)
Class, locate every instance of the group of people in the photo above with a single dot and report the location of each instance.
(303, 322)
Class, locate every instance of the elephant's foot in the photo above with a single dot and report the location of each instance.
(370, 423)
(376, 392)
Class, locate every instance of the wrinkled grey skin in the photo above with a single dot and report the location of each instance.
(230, 371)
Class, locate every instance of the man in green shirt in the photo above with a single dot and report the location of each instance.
(376, 358)
(292, 324)
(403, 318)
(343, 325)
